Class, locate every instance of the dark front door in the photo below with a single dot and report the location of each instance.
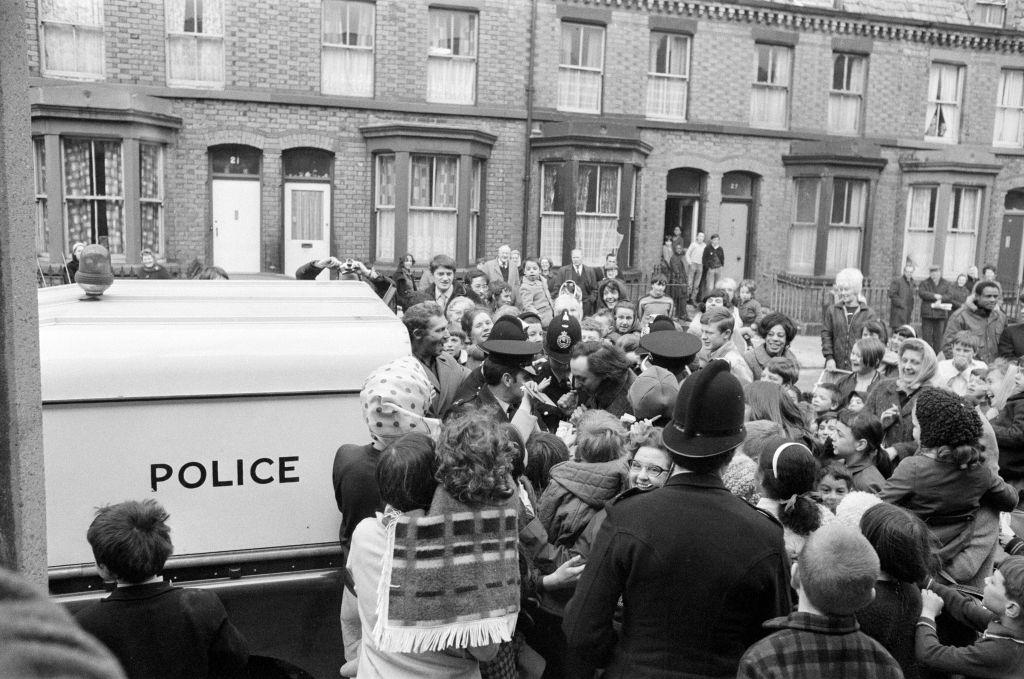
(1010, 248)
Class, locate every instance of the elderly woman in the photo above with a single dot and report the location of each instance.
(844, 321)
(892, 400)
(865, 361)
(778, 332)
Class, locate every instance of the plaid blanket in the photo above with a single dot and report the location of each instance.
(450, 579)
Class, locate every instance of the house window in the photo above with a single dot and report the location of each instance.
(433, 205)
(945, 89)
(580, 68)
(346, 56)
(846, 226)
(552, 212)
(668, 76)
(597, 210)
(384, 205)
(990, 12)
(195, 43)
(451, 65)
(475, 189)
(803, 234)
(151, 196)
(94, 192)
(845, 100)
(962, 237)
(71, 38)
(769, 98)
(922, 205)
(1010, 109)
(39, 173)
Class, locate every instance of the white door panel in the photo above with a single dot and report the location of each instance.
(307, 225)
(236, 225)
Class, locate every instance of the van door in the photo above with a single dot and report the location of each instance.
(236, 225)
(307, 225)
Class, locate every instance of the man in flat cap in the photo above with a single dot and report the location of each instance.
(698, 569)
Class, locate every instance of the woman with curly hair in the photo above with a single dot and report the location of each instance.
(778, 332)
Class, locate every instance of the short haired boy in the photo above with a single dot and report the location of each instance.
(857, 443)
(1000, 617)
(154, 629)
(824, 398)
(834, 578)
(834, 483)
(716, 329)
(656, 302)
(955, 373)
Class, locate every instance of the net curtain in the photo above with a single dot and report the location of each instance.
(68, 47)
(152, 195)
(1008, 113)
(94, 203)
(348, 48)
(198, 55)
(944, 93)
(597, 234)
(433, 218)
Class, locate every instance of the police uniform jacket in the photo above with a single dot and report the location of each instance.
(698, 569)
(550, 416)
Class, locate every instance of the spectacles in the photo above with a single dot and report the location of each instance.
(652, 470)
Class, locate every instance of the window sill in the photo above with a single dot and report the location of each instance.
(71, 75)
(195, 85)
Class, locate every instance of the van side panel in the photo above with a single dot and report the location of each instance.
(234, 473)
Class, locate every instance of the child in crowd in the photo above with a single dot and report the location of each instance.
(606, 319)
(788, 473)
(946, 482)
(834, 483)
(533, 292)
(455, 345)
(855, 403)
(785, 372)
(834, 579)
(999, 652)
(825, 397)
(955, 373)
(625, 319)
(153, 628)
(532, 325)
(656, 302)
(904, 547)
(826, 429)
(591, 330)
(500, 295)
(750, 308)
(858, 444)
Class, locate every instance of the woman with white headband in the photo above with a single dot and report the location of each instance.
(786, 472)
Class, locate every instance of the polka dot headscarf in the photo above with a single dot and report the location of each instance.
(395, 399)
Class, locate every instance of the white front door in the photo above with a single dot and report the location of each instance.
(236, 225)
(307, 225)
(733, 232)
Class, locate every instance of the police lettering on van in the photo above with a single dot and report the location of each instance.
(196, 474)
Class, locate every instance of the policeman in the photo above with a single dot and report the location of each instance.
(668, 348)
(506, 373)
(562, 335)
(697, 568)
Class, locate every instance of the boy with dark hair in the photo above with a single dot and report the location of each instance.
(153, 628)
(825, 397)
(858, 443)
(656, 302)
(834, 578)
(1000, 616)
(834, 483)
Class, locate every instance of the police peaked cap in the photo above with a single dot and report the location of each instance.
(708, 417)
(670, 344)
(507, 342)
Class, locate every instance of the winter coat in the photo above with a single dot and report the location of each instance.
(902, 299)
(1011, 342)
(534, 296)
(899, 434)
(757, 358)
(1009, 428)
(928, 291)
(986, 327)
(576, 492)
(838, 335)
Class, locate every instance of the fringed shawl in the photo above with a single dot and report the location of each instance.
(450, 579)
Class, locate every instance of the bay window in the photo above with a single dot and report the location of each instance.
(597, 210)
(347, 48)
(71, 38)
(384, 207)
(668, 76)
(581, 68)
(94, 193)
(433, 210)
(151, 197)
(803, 232)
(451, 65)
(195, 43)
(942, 227)
(552, 212)
(829, 223)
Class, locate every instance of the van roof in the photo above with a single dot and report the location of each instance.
(148, 339)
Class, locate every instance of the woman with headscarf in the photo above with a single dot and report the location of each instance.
(778, 332)
(892, 400)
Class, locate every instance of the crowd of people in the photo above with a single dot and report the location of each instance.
(560, 481)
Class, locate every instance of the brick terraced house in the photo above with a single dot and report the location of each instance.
(811, 135)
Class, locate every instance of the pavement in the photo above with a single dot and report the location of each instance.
(807, 349)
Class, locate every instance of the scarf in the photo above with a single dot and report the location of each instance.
(450, 579)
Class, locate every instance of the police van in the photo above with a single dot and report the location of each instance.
(225, 402)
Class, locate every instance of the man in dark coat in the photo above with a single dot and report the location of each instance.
(934, 290)
(428, 330)
(698, 569)
(902, 297)
(584, 277)
(1011, 342)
